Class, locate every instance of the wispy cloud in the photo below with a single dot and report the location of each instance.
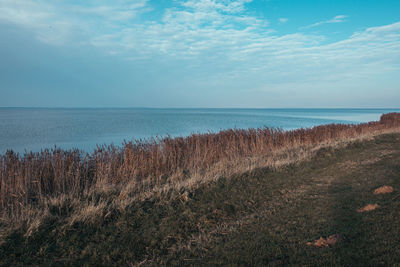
(336, 19)
(62, 22)
(212, 5)
(113, 10)
(283, 20)
(217, 42)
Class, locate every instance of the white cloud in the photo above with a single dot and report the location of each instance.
(216, 42)
(60, 22)
(212, 5)
(37, 17)
(113, 10)
(336, 19)
(283, 20)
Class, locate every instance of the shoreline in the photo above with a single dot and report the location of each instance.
(84, 130)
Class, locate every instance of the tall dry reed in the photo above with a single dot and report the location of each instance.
(26, 179)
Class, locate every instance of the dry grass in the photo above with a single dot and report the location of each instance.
(328, 242)
(143, 167)
(263, 216)
(369, 207)
(383, 190)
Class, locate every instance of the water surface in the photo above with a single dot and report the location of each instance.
(33, 129)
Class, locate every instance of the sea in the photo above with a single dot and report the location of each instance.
(34, 129)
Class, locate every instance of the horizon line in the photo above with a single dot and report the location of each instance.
(82, 107)
(147, 107)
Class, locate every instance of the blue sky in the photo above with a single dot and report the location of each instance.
(204, 53)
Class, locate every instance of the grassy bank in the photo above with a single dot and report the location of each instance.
(241, 208)
(261, 217)
(145, 167)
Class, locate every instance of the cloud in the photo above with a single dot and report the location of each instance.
(213, 44)
(61, 22)
(218, 5)
(336, 19)
(122, 11)
(37, 17)
(283, 20)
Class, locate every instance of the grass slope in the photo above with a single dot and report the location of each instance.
(264, 217)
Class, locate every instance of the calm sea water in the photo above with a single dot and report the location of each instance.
(33, 129)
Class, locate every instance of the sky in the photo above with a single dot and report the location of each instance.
(204, 53)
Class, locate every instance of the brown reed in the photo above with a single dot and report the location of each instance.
(29, 178)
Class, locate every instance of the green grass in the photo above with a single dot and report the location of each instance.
(264, 217)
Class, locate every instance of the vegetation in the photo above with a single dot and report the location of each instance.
(35, 177)
(239, 196)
